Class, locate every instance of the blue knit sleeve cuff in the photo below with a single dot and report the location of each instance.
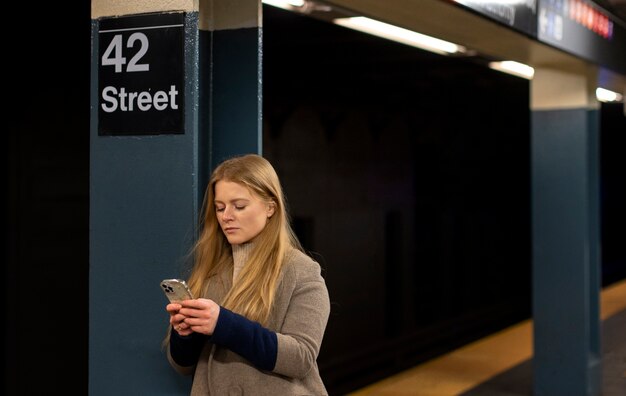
(246, 338)
(186, 350)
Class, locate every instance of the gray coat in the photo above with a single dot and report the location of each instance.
(299, 317)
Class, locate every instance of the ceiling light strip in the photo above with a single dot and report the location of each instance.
(398, 34)
(604, 95)
(514, 68)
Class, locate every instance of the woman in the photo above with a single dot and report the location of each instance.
(258, 325)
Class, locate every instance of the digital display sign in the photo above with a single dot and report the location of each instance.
(582, 28)
(579, 27)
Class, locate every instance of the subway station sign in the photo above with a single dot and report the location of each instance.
(583, 29)
(520, 15)
(141, 75)
(579, 27)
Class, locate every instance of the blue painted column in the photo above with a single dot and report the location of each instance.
(565, 232)
(231, 34)
(146, 188)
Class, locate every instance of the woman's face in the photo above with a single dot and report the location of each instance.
(241, 214)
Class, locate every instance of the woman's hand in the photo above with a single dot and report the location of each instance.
(199, 315)
(177, 319)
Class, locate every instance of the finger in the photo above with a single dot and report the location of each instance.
(185, 332)
(198, 303)
(192, 313)
(173, 307)
(195, 322)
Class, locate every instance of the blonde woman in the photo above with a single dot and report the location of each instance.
(263, 306)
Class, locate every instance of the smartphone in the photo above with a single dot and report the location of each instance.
(176, 290)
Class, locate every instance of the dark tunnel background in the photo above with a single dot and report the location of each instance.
(407, 175)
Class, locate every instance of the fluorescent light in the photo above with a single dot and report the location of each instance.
(514, 68)
(399, 34)
(285, 4)
(604, 95)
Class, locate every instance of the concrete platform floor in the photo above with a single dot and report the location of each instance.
(501, 364)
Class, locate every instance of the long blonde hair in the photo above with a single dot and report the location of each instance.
(253, 293)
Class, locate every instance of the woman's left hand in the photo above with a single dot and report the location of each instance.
(201, 315)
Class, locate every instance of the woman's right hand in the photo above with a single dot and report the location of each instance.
(177, 320)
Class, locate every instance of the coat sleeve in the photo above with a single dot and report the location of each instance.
(301, 334)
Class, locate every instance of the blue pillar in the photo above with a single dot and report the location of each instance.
(233, 33)
(146, 188)
(565, 233)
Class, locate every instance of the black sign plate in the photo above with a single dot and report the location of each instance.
(141, 75)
